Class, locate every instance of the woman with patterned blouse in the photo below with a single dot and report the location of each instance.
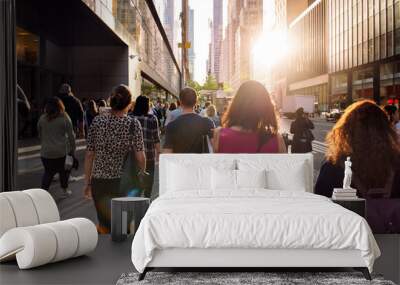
(111, 136)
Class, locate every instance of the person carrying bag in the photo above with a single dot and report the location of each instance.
(302, 135)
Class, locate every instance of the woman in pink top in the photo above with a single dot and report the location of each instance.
(250, 124)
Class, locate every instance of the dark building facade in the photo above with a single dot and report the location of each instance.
(93, 45)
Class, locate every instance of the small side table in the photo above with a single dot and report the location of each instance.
(121, 209)
(356, 205)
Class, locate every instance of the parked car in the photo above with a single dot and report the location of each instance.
(334, 115)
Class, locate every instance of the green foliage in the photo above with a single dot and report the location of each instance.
(147, 88)
(211, 83)
(194, 84)
(227, 87)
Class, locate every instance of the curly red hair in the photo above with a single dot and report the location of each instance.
(365, 134)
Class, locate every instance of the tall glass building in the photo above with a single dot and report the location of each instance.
(342, 51)
(364, 48)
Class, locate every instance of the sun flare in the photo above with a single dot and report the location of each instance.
(270, 49)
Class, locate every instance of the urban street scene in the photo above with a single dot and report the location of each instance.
(200, 142)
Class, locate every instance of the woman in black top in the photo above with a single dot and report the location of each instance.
(302, 135)
(91, 112)
(365, 134)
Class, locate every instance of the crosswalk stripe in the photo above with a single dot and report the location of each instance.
(38, 147)
(320, 143)
(319, 150)
(36, 155)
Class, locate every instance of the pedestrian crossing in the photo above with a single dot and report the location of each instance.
(319, 147)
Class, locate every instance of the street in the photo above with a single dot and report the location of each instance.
(30, 171)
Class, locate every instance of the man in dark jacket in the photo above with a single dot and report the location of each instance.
(73, 107)
(302, 135)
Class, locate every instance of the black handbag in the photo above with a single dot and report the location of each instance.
(133, 179)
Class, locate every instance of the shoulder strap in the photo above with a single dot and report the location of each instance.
(263, 137)
(65, 134)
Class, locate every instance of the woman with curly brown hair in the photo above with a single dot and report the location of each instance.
(365, 134)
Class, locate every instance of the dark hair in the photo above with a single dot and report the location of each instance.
(172, 106)
(391, 110)
(299, 112)
(54, 107)
(365, 134)
(188, 97)
(142, 106)
(208, 103)
(102, 103)
(92, 107)
(252, 109)
(120, 98)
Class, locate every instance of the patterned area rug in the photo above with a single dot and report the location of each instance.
(242, 278)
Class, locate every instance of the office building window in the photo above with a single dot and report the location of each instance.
(363, 84)
(383, 22)
(389, 82)
(27, 47)
(397, 40)
(338, 90)
(397, 14)
(371, 50)
(383, 46)
(389, 43)
(354, 55)
(365, 52)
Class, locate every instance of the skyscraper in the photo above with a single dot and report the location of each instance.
(216, 38)
(191, 40)
(168, 20)
(245, 22)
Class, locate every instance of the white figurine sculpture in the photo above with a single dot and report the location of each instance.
(348, 173)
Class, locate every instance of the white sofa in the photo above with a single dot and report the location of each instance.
(31, 231)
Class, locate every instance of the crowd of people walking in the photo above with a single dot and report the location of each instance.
(123, 128)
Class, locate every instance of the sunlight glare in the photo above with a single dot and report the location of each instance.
(270, 49)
